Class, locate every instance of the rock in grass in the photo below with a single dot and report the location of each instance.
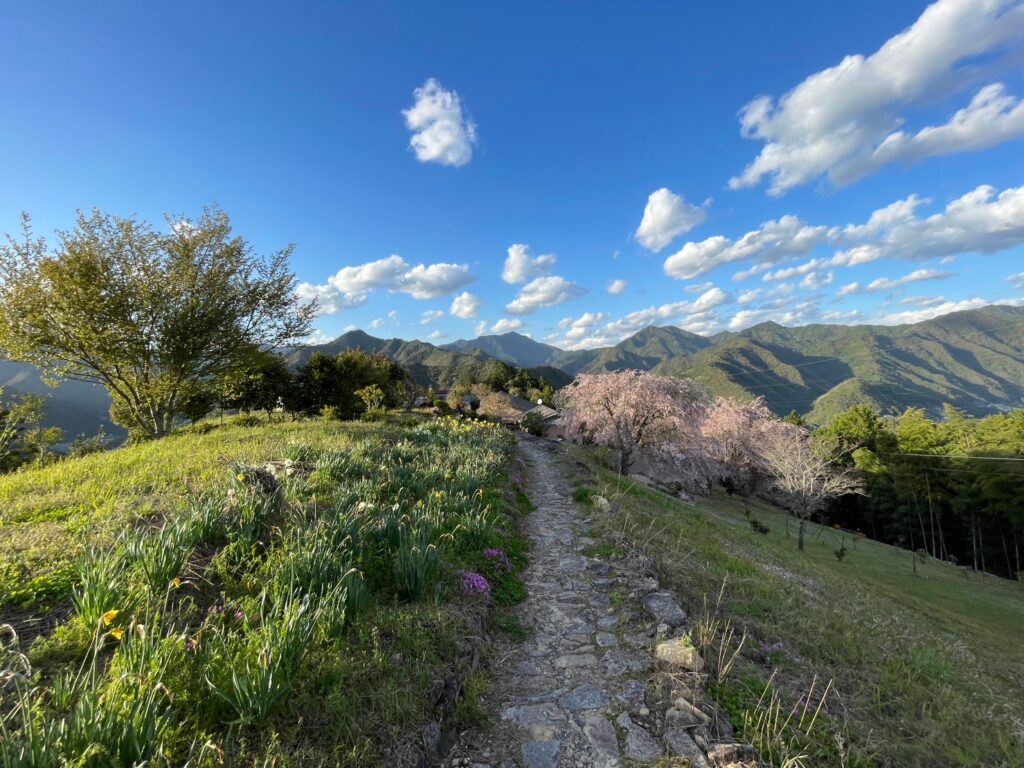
(665, 609)
(679, 744)
(680, 652)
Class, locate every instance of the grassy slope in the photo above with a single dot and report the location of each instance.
(928, 668)
(47, 515)
(359, 696)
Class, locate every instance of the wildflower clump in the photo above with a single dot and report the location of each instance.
(474, 583)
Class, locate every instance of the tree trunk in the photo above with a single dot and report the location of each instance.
(974, 544)
(800, 541)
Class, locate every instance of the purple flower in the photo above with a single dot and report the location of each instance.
(499, 556)
(474, 583)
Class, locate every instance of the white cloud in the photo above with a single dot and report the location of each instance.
(849, 289)
(1017, 280)
(666, 216)
(436, 335)
(393, 315)
(699, 287)
(480, 328)
(440, 132)
(319, 337)
(815, 280)
(543, 292)
(698, 316)
(835, 121)
(748, 296)
(520, 266)
(579, 330)
(983, 220)
(771, 243)
(377, 322)
(992, 117)
(944, 308)
(615, 287)
(350, 286)
(431, 316)
(465, 305)
(505, 325)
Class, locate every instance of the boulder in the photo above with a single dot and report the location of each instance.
(664, 608)
(679, 652)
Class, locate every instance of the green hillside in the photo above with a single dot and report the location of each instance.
(925, 658)
(178, 603)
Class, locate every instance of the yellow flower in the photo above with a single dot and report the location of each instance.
(240, 477)
(109, 616)
(175, 582)
(419, 504)
(116, 633)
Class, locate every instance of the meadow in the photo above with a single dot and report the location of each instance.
(180, 602)
(923, 661)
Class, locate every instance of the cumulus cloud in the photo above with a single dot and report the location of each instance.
(543, 292)
(431, 316)
(1017, 280)
(943, 308)
(377, 322)
(436, 335)
(480, 328)
(666, 216)
(465, 305)
(844, 121)
(615, 287)
(770, 243)
(505, 325)
(748, 296)
(520, 266)
(440, 132)
(591, 330)
(815, 280)
(983, 220)
(351, 286)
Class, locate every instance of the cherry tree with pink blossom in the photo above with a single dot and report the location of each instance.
(633, 412)
(731, 432)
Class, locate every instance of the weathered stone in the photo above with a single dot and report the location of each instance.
(605, 639)
(640, 745)
(541, 754)
(576, 660)
(679, 744)
(633, 694)
(691, 711)
(604, 744)
(618, 662)
(727, 754)
(584, 697)
(665, 609)
(680, 652)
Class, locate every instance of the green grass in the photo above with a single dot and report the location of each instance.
(928, 667)
(203, 616)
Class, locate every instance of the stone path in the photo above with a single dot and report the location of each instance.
(576, 692)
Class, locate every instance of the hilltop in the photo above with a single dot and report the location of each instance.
(973, 360)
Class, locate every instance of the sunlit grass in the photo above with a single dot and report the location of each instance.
(928, 666)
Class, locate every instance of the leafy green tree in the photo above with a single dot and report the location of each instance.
(263, 385)
(20, 418)
(372, 397)
(333, 381)
(157, 318)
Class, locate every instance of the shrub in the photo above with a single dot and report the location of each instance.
(534, 423)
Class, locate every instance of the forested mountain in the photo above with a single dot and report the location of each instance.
(973, 360)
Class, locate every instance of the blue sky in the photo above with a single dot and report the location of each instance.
(453, 169)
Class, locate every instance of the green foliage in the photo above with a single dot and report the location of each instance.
(534, 423)
(336, 381)
(295, 602)
(154, 317)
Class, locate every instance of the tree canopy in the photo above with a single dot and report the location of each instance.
(155, 317)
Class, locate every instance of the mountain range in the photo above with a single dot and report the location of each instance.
(973, 360)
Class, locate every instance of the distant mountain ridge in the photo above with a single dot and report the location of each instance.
(973, 360)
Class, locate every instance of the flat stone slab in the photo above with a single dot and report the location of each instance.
(584, 697)
(619, 662)
(541, 754)
(664, 608)
(603, 742)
